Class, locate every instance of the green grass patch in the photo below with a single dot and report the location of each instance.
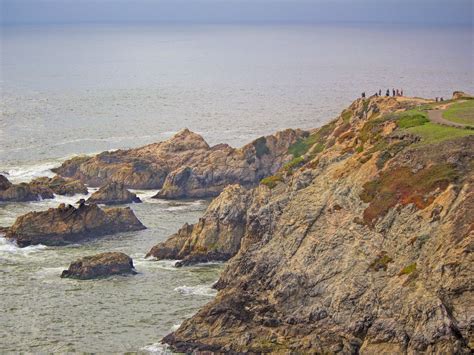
(431, 133)
(296, 162)
(407, 270)
(271, 181)
(462, 112)
(412, 118)
(381, 262)
(302, 146)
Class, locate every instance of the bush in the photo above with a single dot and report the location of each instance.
(271, 181)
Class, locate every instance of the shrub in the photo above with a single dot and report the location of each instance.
(261, 148)
(271, 181)
(407, 270)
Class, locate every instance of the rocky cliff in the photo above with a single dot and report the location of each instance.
(185, 165)
(362, 243)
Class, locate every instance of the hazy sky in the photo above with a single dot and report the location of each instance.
(434, 12)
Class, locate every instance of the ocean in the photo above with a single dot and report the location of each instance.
(82, 89)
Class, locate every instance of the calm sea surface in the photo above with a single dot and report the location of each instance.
(84, 89)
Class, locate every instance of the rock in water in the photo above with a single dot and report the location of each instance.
(22, 192)
(185, 166)
(60, 185)
(113, 193)
(100, 265)
(67, 224)
(361, 244)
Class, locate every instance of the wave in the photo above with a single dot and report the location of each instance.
(199, 290)
(157, 348)
(9, 247)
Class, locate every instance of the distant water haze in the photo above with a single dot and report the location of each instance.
(82, 89)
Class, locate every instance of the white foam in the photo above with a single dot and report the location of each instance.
(9, 247)
(199, 290)
(156, 348)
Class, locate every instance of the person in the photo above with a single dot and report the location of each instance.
(441, 99)
(401, 92)
(398, 93)
(376, 94)
(387, 93)
(393, 92)
(380, 92)
(436, 99)
(363, 95)
(81, 202)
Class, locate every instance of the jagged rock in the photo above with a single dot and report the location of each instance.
(22, 192)
(112, 194)
(184, 166)
(377, 274)
(217, 235)
(100, 265)
(60, 185)
(460, 95)
(67, 224)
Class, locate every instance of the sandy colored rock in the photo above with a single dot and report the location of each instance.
(60, 185)
(112, 194)
(99, 266)
(362, 246)
(22, 192)
(184, 166)
(67, 224)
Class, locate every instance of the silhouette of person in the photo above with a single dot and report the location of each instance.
(388, 92)
(380, 92)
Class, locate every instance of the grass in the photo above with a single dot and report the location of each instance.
(381, 262)
(302, 146)
(412, 118)
(296, 162)
(407, 270)
(271, 181)
(402, 186)
(462, 112)
(431, 133)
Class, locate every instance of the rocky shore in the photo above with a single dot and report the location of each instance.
(360, 244)
(113, 193)
(185, 166)
(68, 224)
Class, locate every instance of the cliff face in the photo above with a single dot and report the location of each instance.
(185, 165)
(362, 243)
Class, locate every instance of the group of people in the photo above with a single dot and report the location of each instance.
(395, 92)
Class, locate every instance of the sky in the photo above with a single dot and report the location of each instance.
(416, 12)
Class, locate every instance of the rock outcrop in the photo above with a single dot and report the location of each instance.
(39, 189)
(22, 192)
(361, 244)
(60, 185)
(217, 235)
(113, 193)
(99, 266)
(67, 224)
(185, 166)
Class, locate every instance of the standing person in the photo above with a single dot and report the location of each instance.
(436, 99)
(401, 92)
(363, 95)
(380, 92)
(387, 93)
(393, 92)
(398, 93)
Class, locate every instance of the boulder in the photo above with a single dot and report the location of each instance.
(67, 224)
(112, 194)
(60, 185)
(460, 95)
(22, 192)
(100, 265)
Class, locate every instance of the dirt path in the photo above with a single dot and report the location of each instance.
(437, 117)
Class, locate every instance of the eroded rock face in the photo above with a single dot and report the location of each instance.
(39, 189)
(99, 266)
(362, 246)
(184, 166)
(22, 192)
(60, 185)
(217, 235)
(67, 224)
(113, 193)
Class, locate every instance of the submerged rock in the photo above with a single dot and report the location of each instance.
(185, 166)
(67, 224)
(112, 194)
(363, 244)
(100, 265)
